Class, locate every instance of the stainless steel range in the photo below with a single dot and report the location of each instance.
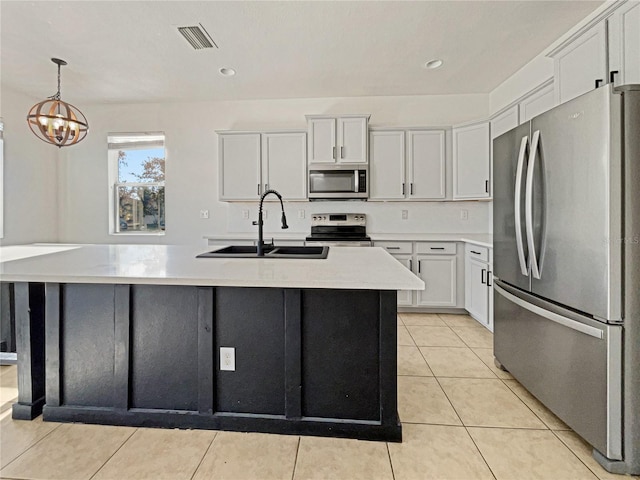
(339, 229)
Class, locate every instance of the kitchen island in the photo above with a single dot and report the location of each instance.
(133, 336)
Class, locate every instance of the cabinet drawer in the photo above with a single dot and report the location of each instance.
(476, 252)
(436, 248)
(395, 247)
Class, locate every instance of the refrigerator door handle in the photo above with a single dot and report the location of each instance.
(517, 205)
(554, 317)
(528, 204)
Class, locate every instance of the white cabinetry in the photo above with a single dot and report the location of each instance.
(537, 102)
(407, 164)
(624, 43)
(436, 264)
(504, 121)
(340, 139)
(608, 50)
(387, 165)
(471, 161)
(283, 164)
(478, 292)
(252, 162)
(579, 64)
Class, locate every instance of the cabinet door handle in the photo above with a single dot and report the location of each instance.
(486, 186)
(411, 188)
(342, 151)
(488, 277)
(403, 189)
(484, 270)
(334, 153)
(410, 265)
(259, 190)
(612, 76)
(393, 248)
(419, 266)
(599, 82)
(474, 252)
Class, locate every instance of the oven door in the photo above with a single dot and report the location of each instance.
(337, 184)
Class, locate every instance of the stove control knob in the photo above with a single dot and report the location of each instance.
(315, 218)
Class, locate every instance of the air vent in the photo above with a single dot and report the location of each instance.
(197, 36)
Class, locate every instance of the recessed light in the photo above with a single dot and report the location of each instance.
(433, 64)
(227, 72)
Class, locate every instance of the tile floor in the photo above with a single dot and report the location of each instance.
(462, 419)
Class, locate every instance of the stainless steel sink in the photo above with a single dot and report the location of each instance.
(248, 251)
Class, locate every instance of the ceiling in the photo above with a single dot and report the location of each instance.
(130, 51)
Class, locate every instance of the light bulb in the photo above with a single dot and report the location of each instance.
(43, 120)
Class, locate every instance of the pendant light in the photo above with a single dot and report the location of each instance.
(55, 121)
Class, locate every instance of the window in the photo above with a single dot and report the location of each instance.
(1, 178)
(136, 177)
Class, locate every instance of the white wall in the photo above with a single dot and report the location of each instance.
(30, 177)
(192, 169)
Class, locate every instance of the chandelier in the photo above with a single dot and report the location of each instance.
(55, 121)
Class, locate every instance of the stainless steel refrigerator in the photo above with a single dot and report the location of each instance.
(566, 217)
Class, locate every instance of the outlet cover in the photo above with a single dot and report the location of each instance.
(204, 213)
(245, 213)
(228, 359)
(464, 214)
(405, 214)
(301, 213)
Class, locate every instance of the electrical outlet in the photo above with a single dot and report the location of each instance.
(228, 359)
(405, 214)
(301, 213)
(464, 214)
(265, 214)
(204, 213)
(245, 213)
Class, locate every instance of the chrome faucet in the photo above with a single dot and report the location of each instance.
(260, 222)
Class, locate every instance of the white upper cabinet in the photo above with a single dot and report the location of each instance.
(250, 163)
(239, 166)
(471, 161)
(537, 102)
(338, 139)
(322, 140)
(407, 164)
(425, 165)
(386, 165)
(608, 51)
(581, 63)
(352, 139)
(624, 43)
(504, 121)
(283, 164)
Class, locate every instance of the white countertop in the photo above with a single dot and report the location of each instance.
(482, 239)
(344, 268)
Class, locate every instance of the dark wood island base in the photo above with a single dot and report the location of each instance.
(307, 361)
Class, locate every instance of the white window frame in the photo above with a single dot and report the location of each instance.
(112, 153)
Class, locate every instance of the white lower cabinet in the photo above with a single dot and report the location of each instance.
(478, 291)
(436, 264)
(405, 297)
(439, 275)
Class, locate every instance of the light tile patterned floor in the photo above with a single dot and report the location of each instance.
(462, 419)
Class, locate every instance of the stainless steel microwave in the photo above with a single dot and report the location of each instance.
(332, 183)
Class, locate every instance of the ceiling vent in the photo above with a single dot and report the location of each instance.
(198, 37)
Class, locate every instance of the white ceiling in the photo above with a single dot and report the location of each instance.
(130, 51)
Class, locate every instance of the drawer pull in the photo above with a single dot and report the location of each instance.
(475, 253)
(436, 248)
(393, 248)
